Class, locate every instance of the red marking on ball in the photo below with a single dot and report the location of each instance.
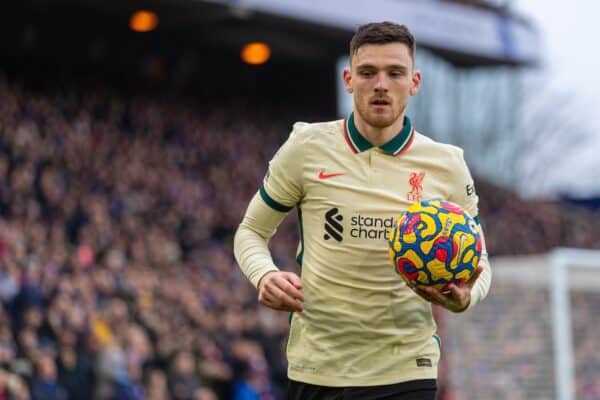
(410, 224)
(441, 254)
(454, 209)
(402, 265)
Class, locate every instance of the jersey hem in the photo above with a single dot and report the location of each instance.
(337, 381)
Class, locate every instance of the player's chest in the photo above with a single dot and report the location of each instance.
(372, 181)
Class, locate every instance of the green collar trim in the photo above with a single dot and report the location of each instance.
(395, 146)
(357, 140)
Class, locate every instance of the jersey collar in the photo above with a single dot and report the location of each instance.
(397, 145)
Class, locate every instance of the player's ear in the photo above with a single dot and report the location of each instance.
(416, 82)
(347, 76)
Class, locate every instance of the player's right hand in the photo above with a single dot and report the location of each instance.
(281, 290)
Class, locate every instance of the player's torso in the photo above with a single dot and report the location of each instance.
(355, 301)
(351, 200)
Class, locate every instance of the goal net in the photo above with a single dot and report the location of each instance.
(533, 337)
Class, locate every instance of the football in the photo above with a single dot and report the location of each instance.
(434, 243)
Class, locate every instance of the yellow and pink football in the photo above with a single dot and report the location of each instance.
(434, 243)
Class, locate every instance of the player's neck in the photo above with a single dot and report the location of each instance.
(378, 136)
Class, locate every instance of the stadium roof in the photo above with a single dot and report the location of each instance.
(311, 31)
(196, 47)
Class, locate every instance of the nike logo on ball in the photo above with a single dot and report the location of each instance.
(323, 175)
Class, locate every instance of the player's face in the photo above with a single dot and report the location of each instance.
(382, 78)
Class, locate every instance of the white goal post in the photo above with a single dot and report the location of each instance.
(564, 365)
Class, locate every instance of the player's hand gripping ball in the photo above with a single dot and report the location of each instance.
(434, 243)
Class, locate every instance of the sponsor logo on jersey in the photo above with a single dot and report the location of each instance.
(416, 183)
(367, 227)
(333, 225)
(361, 226)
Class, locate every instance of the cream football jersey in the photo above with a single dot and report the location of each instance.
(361, 325)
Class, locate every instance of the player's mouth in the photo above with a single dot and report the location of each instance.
(380, 102)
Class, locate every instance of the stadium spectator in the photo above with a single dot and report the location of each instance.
(45, 385)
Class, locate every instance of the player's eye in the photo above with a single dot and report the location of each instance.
(366, 73)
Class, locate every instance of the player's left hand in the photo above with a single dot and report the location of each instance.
(456, 299)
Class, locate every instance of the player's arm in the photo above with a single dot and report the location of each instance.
(467, 295)
(281, 190)
(276, 289)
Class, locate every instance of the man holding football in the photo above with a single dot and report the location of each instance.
(357, 331)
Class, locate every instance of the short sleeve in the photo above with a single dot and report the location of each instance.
(282, 187)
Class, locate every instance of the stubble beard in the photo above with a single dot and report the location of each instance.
(376, 120)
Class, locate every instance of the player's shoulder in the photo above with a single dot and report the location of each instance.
(427, 144)
(305, 132)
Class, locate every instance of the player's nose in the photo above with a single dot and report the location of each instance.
(382, 83)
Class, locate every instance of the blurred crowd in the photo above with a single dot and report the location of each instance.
(510, 354)
(515, 226)
(117, 277)
(509, 342)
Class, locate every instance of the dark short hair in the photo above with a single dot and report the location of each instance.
(382, 33)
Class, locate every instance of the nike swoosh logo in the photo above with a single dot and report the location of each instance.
(323, 175)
